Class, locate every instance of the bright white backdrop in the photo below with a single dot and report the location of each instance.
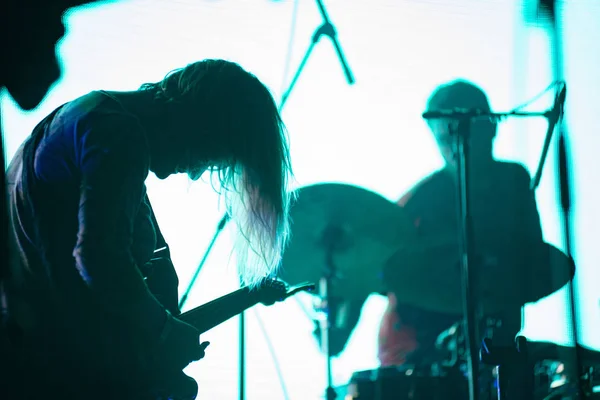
(369, 134)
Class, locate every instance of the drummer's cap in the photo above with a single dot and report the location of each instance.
(458, 94)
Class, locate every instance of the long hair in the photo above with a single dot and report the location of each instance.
(242, 138)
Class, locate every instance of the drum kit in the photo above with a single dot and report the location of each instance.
(343, 236)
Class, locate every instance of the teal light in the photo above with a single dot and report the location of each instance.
(369, 134)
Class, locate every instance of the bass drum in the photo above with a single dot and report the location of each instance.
(407, 383)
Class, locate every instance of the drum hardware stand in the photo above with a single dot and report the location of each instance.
(449, 342)
(327, 29)
(332, 240)
(515, 377)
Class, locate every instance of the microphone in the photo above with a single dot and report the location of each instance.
(558, 108)
(538, 11)
(457, 113)
(223, 221)
(328, 29)
(553, 116)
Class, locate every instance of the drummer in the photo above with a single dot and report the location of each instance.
(504, 214)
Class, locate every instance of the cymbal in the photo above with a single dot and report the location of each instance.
(429, 276)
(362, 228)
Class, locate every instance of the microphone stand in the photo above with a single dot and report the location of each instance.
(242, 359)
(327, 29)
(553, 116)
(220, 227)
(462, 134)
(242, 327)
(549, 8)
(564, 184)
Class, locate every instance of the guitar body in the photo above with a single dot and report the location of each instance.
(169, 384)
(163, 282)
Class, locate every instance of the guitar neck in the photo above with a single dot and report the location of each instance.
(211, 314)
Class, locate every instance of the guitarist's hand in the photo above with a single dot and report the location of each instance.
(180, 345)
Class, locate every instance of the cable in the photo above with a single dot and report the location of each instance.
(290, 47)
(276, 363)
(554, 84)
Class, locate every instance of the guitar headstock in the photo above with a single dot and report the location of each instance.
(271, 291)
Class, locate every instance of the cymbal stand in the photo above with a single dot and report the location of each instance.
(331, 238)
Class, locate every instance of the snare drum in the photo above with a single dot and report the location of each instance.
(407, 383)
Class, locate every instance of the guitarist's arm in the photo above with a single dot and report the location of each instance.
(160, 272)
(111, 189)
(113, 173)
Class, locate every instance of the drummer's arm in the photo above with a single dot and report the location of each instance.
(531, 230)
(528, 216)
(346, 319)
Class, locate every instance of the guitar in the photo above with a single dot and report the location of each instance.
(212, 314)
